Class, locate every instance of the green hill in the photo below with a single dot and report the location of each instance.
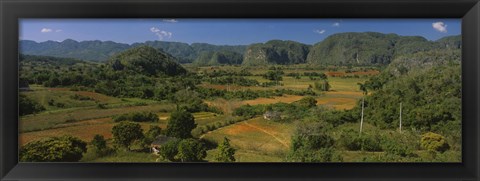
(208, 58)
(371, 48)
(276, 52)
(147, 61)
(429, 89)
(103, 50)
(454, 42)
(85, 50)
(182, 51)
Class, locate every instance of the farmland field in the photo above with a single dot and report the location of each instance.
(255, 138)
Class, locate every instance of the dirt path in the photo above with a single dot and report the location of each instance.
(267, 132)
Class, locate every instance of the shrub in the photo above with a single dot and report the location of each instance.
(59, 105)
(137, 117)
(320, 155)
(434, 142)
(311, 136)
(248, 111)
(394, 148)
(80, 97)
(351, 140)
(308, 102)
(28, 106)
(102, 105)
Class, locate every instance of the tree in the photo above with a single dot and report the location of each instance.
(117, 65)
(55, 149)
(169, 150)
(190, 100)
(28, 106)
(225, 152)
(191, 150)
(320, 155)
(125, 133)
(99, 143)
(180, 124)
(152, 133)
(363, 88)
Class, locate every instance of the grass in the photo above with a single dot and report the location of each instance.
(343, 94)
(63, 96)
(255, 138)
(126, 157)
(86, 130)
(246, 156)
(273, 100)
(48, 120)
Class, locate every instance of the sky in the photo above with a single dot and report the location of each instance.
(226, 31)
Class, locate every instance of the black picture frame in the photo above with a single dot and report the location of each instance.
(11, 11)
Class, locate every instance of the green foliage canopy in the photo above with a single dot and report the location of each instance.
(55, 149)
(225, 153)
(191, 150)
(180, 124)
(124, 133)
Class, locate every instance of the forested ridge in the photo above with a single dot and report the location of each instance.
(367, 48)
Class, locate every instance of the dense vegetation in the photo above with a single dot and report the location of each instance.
(85, 50)
(209, 58)
(56, 149)
(147, 61)
(276, 52)
(103, 50)
(339, 49)
(372, 48)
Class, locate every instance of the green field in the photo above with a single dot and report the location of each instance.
(255, 139)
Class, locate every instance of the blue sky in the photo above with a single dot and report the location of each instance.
(226, 31)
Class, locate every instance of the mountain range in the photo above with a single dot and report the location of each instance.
(368, 48)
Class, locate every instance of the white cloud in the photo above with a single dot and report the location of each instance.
(49, 30)
(320, 31)
(161, 33)
(46, 30)
(336, 24)
(440, 26)
(170, 20)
